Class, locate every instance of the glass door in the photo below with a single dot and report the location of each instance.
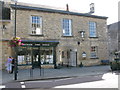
(35, 56)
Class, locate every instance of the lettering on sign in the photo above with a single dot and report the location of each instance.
(45, 44)
(28, 44)
(37, 45)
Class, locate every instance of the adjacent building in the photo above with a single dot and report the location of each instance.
(54, 37)
(114, 39)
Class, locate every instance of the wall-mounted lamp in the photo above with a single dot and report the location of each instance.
(4, 27)
(82, 33)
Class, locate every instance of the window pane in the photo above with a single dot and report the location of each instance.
(67, 27)
(94, 51)
(92, 29)
(36, 25)
(93, 54)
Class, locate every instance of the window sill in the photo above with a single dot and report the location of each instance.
(93, 37)
(47, 64)
(36, 34)
(94, 57)
(67, 36)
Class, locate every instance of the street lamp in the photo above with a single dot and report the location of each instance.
(15, 48)
(15, 17)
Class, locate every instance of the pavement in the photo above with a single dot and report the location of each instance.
(43, 74)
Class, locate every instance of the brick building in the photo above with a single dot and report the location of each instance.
(52, 37)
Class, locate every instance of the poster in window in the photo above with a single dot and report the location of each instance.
(20, 59)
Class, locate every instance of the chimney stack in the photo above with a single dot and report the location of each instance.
(67, 7)
(92, 8)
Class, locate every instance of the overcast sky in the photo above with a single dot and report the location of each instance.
(107, 8)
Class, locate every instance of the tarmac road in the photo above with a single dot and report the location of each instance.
(54, 82)
(109, 80)
(86, 77)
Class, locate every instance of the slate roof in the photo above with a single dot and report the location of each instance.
(114, 26)
(56, 11)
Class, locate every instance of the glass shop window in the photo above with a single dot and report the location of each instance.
(24, 56)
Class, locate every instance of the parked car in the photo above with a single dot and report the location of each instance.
(105, 62)
(115, 65)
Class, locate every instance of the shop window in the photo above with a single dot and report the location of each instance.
(46, 55)
(24, 56)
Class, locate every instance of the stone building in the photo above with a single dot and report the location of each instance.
(55, 37)
(114, 38)
(113, 35)
(119, 28)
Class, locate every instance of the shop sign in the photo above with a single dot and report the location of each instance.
(84, 55)
(36, 44)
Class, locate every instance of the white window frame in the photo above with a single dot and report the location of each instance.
(92, 29)
(36, 25)
(67, 27)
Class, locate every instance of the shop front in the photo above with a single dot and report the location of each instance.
(37, 53)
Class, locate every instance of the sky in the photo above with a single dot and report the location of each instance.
(108, 8)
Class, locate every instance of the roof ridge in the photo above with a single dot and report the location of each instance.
(40, 5)
(45, 9)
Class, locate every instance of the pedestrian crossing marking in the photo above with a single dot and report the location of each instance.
(22, 82)
(2, 86)
(23, 86)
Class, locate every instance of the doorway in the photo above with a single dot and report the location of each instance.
(73, 59)
(36, 57)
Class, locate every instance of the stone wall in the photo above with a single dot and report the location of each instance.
(52, 30)
(52, 25)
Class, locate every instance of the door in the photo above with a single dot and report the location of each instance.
(36, 57)
(73, 59)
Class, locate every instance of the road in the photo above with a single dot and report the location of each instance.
(107, 80)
